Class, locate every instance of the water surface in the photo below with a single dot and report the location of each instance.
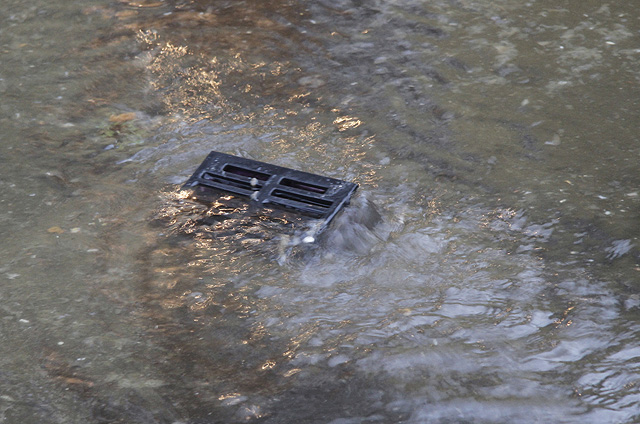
(486, 271)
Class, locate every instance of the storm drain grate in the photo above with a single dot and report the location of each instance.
(271, 185)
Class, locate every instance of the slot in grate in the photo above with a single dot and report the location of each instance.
(222, 180)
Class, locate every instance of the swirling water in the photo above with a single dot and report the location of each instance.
(487, 269)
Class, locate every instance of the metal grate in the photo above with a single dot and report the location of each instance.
(313, 195)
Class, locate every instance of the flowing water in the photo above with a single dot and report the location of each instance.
(487, 270)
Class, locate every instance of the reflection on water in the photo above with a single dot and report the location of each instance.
(485, 271)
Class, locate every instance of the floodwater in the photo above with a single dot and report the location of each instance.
(487, 270)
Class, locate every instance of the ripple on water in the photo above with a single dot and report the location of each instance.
(444, 319)
(412, 308)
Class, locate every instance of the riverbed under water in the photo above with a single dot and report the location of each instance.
(487, 270)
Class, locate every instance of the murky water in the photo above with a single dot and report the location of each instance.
(486, 272)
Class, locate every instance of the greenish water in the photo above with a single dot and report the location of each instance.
(486, 272)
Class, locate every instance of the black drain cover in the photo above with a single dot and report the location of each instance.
(271, 185)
